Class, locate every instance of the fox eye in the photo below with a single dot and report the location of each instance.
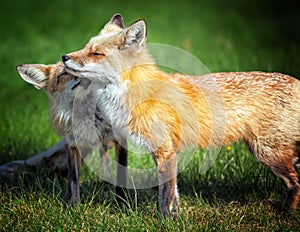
(97, 54)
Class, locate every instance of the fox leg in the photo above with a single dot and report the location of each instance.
(122, 159)
(74, 164)
(105, 161)
(285, 170)
(281, 163)
(54, 158)
(168, 199)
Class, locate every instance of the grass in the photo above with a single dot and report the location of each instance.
(236, 193)
(230, 196)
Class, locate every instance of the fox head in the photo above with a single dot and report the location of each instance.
(105, 56)
(60, 86)
(68, 95)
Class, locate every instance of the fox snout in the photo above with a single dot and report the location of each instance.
(65, 58)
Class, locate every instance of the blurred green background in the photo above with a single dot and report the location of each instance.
(225, 35)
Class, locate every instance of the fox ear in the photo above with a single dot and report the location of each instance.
(115, 24)
(136, 34)
(118, 20)
(35, 74)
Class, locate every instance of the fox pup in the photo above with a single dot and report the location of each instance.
(77, 115)
(167, 112)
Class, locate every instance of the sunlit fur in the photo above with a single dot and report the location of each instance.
(166, 112)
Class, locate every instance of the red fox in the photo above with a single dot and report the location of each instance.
(166, 112)
(77, 115)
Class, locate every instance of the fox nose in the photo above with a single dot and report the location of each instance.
(65, 58)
